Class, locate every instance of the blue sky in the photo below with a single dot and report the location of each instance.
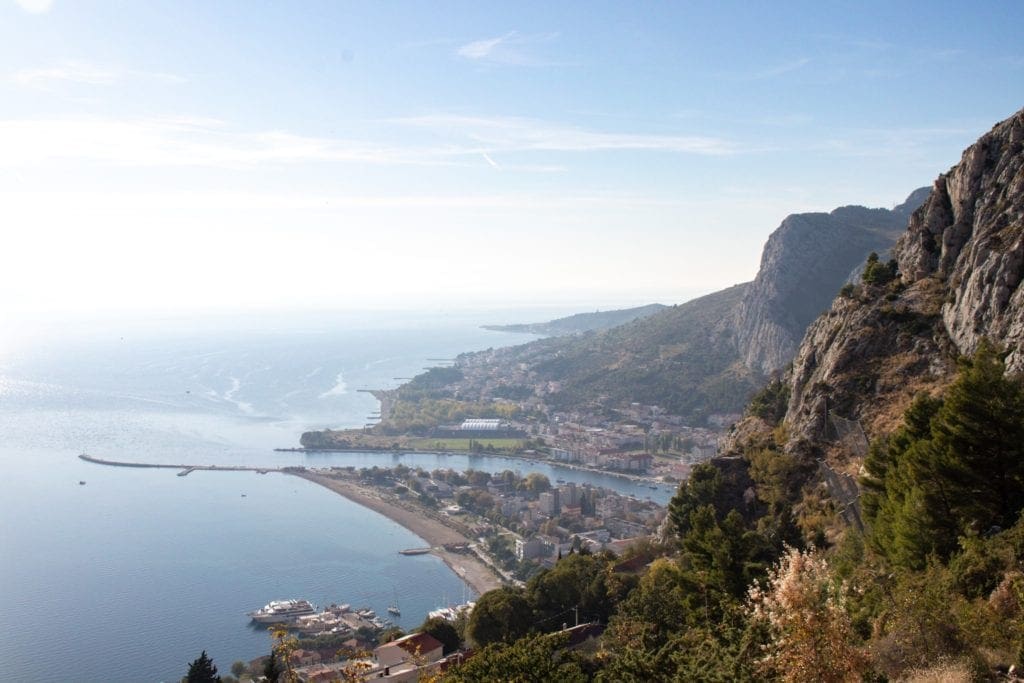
(193, 155)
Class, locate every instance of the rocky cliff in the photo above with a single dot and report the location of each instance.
(960, 263)
(803, 265)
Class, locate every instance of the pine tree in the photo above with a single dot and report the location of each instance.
(956, 467)
(700, 489)
(272, 669)
(202, 670)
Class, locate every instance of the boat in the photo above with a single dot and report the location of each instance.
(81, 483)
(393, 607)
(282, 611)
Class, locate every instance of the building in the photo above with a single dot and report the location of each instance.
(620, 528)
(530, 548)
(569, 495)
(609, 506)
(404, 659)
(548, 503)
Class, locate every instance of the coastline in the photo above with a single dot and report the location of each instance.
(469, 568)
(639, 478)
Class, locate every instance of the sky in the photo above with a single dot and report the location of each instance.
(195, 155)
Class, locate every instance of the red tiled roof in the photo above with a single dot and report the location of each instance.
(423, 642)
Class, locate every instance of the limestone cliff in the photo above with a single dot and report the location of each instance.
(960, 264)
(803, 265)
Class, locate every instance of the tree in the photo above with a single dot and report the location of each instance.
(272, 668)
(877, 273)
(702, 488)
(576, 582)
(444, 631)
(202, 670)
(810, 633)
(955, 468)
(238, 668)
(536, 658)
(536, 483)
(501, 615)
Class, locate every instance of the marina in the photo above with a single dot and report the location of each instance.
(302, 617)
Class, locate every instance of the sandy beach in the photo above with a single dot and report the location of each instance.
(473, 571)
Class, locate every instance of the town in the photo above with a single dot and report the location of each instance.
(515, 524)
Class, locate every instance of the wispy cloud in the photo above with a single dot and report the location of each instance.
(176, 142)
(86, 74)
(35, 6)
(445, 140)
(768, 72)
(513, 48)
(491, 162)
(903, 142)
(509, 134)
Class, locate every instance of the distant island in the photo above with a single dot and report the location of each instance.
(581, 322)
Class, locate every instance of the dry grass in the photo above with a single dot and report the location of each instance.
(953, 671)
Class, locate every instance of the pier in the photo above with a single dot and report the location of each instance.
(185, 469)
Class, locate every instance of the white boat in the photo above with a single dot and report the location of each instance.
(282, 611)
(453, 612)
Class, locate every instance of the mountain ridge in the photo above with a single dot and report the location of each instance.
(581, 322)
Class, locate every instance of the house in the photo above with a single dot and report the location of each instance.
(530, 548)
(302, 657)
(414, 649)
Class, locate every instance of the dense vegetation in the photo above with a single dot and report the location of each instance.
(414, 414)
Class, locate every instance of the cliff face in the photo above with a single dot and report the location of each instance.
(804, 263)
(969, 236)
(960, 261)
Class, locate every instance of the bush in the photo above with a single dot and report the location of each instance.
(877, 273)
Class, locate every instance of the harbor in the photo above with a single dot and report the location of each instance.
(302, 617)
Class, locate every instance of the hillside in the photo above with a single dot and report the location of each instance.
(706, 356)
(681, 359)
(581, 322)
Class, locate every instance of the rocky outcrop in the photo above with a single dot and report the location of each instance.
(970, 236)
(960, 262)
(803, 265)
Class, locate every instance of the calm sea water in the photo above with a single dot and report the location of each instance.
(128, 577)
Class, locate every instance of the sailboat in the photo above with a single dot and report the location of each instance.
(393, 607)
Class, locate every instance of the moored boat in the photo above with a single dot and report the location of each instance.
(282, 611)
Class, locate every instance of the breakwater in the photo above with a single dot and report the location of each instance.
(186, 468)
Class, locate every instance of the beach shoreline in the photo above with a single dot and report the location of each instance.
(467, 567)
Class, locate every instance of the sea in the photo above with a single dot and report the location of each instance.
(125, 575)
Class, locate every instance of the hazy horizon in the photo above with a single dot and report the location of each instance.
(197, 156)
